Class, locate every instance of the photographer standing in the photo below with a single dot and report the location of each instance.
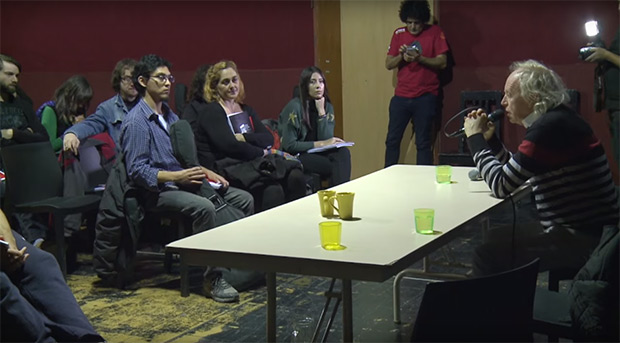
(419, 51)
(610, 62)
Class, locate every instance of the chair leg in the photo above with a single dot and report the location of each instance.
(59, 230)
(554, 282)
(168, 262)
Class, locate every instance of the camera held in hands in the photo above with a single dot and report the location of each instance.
(585, 52)
(593, 32)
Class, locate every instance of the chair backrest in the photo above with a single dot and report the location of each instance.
(490, 308)
(180, 96)
(488, 100)
(32, 172)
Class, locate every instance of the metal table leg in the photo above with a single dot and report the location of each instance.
(271, 307)
(184, 276)
(347, 311)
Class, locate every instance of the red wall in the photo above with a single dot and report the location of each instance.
(271, 41)
(486, 36)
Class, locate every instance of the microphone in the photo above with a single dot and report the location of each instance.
(494, 116)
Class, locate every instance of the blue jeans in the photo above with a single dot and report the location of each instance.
(421, 112)
(38, 306)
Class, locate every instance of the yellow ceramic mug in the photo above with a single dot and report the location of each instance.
(327, 210)
(345, 204)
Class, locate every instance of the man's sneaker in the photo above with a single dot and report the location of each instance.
(220, 290)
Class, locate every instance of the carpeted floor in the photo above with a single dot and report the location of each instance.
(155, 312)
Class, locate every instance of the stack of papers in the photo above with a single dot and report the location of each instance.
(331, 146)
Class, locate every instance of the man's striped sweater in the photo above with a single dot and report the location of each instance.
(566, 165)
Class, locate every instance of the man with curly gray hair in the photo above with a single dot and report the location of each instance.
(564, 162)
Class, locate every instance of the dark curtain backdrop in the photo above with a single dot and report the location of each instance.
(271, 42)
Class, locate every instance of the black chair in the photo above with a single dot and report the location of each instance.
(164, 227)
(489, 101)
(180, 96)
(34, 184)
(589, 310)
(490, 308)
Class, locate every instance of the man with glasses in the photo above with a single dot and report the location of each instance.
(152, 167)
(109, 114)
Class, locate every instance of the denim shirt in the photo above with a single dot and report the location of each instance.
(147, 146)
(108, 117)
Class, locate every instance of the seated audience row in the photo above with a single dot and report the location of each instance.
(139, 125)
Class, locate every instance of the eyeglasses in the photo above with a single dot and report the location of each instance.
(163, 77)
(126, 79)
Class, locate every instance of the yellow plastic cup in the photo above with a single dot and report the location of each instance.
(443, 174)
(330, 232)
(424, 220)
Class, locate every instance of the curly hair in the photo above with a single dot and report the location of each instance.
(540, 85)
(213, 78)
(145, 67)
(119, 69)
(197, 88)
(415, 9)
(73, 98)
(304, 90)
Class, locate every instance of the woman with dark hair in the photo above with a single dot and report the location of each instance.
(71, 101)
(307, 122)
(218, 95)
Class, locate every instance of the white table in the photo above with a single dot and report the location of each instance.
(380, 243)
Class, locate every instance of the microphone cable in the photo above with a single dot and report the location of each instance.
(453, 134)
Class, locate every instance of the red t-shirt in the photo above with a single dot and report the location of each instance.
(414, 79)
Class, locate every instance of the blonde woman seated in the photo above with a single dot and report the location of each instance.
(234, 152)
(307, 122)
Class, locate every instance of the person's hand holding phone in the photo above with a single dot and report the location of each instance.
(412, 54)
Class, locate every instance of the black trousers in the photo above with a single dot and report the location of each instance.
(334, 164)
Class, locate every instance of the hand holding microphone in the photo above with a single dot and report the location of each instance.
(477, 121)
